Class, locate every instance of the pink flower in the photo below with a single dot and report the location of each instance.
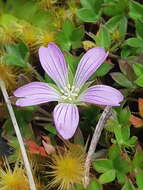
(68, 94)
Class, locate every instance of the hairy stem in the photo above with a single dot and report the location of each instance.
(19, 137)
(97, 133)
(38, 76)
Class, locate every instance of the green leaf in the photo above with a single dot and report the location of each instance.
(103, 38)
(115, 7)
(72, 62)
(125, 132)
(107, 177)
(31, 108)
(77, 34)
(139, 180)
(68, 27)
(138, 69)
(122, 80)
(103, 70)
(7, 126)
(114, 151)
(122, 27)
(92, 4)
(117, 23)
(121, 177)
(94, 185)
(132, 141)
(138, 161)
(139, 81)
(87, 15)
(118, 134)
(103, 165)
(128, 186)
(63, 41)
(7, 20)
(139, 28)
(124, 116)
(51, 129)
(121, 165)
(111, 124)
(136, 10)
(48, 79)
(76, 37)
(113, 22)
(70, 36)
(17, 55)
(134, 42)
(126, 51)
(23, 119)
(17, 153)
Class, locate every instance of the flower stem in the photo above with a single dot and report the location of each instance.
(97, 133)
(19, 137)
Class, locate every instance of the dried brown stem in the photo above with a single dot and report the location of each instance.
(97, 133)
(19, 137)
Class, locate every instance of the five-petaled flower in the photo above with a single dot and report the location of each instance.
(68, 93)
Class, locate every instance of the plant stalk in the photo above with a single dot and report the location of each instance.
(97, 133)
(19, 137)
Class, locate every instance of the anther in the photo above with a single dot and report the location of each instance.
(62, 90)
(69, 86)
(73, 87)
(64, 97)
(76, 89)
(74, 94)
(66, 88)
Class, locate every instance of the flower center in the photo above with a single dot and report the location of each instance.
(69, 94)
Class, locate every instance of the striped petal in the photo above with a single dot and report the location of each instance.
(36, 93)
(89, 63)
(66, 118)
(53, 62)
(102, 95)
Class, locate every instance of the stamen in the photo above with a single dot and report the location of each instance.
(74, 94)
(64, 97)
(69, 86)
(76, 89)
(73, 87)
(70, 93)
(62, 90)
(66, 88)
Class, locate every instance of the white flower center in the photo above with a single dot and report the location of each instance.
(70, 93)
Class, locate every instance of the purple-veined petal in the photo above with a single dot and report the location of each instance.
(53, 62)
(89, 63)
(102, 95)
(36, 93)
(31, 101)
(66, 118)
